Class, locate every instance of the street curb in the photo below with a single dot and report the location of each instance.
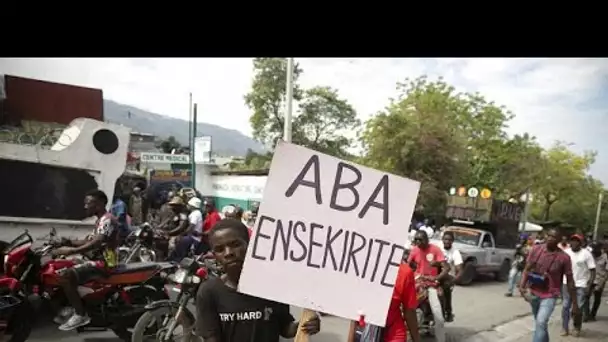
(513, 330)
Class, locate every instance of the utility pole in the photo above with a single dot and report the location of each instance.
(191, 142)
(600, 199)
(524, 217)
(190, 139)
(288, 101)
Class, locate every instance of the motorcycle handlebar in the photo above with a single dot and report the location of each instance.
(51, 236)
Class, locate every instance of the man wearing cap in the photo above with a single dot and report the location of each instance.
(196, 223)
(179, 224)
(192, 236)
(521, 253)
(583, 273)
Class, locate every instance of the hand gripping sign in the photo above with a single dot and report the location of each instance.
(329, 235)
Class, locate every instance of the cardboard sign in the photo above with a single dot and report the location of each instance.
(328, 235)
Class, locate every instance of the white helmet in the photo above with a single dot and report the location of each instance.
(195, 202)
(228, 210)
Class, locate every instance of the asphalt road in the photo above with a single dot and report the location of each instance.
(477, 308)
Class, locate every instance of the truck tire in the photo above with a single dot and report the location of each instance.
(468, 273)
(503, 274)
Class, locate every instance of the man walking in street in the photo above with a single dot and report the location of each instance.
(583, 273)
(601, 275)
(541, 281)
(521, 252)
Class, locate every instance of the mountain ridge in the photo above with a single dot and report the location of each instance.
(225, 141)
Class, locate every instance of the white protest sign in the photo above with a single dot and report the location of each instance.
(329, 234)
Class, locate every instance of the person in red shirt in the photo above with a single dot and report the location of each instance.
(404, 295)
(541, 282)
(428, 258)
(212, 216)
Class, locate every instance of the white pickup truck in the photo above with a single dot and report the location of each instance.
(479, 253)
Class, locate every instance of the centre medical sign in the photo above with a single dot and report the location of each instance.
(164, 158)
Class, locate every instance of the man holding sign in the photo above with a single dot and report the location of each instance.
(225, 315)
(333, 223)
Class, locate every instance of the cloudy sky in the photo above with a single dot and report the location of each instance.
(553, 99)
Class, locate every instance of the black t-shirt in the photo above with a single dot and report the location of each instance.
(231, 316)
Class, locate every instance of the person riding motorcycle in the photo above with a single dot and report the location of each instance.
(454, 259)
(193, 235)
(177, 227)
(427, 260)
(102, 248)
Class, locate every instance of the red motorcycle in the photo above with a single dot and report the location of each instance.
(115, 302)
(429, 311)
(15, 312)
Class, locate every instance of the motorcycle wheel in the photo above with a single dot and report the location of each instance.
(144, 296)
(149, 327)
(20, 324)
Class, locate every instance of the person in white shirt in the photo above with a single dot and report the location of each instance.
(229, 211)
(601, 275)
(583, 272)
(411, 234)
(427, 229)
(454, 259)
(196, 223)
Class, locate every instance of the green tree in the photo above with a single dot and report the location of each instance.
(322, 119)
(443, 138)
(267, 97)
(579, 207)
(564, 177)
(169, 144)
(324, 122)
(417, 137)
(253, 161)
(518, 166)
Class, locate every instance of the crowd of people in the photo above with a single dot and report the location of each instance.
(185, 220)
(543, 271)
(571, 268)
(546, 268)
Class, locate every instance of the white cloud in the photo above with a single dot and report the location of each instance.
(552, 98)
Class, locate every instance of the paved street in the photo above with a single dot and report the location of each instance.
(521, 330)
(479, 309)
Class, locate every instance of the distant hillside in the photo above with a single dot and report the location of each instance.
(225, 141)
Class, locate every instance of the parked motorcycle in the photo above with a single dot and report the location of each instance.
(115, 302)
(162, 318)
(143, 244)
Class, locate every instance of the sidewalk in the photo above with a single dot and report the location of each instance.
(521, 329)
